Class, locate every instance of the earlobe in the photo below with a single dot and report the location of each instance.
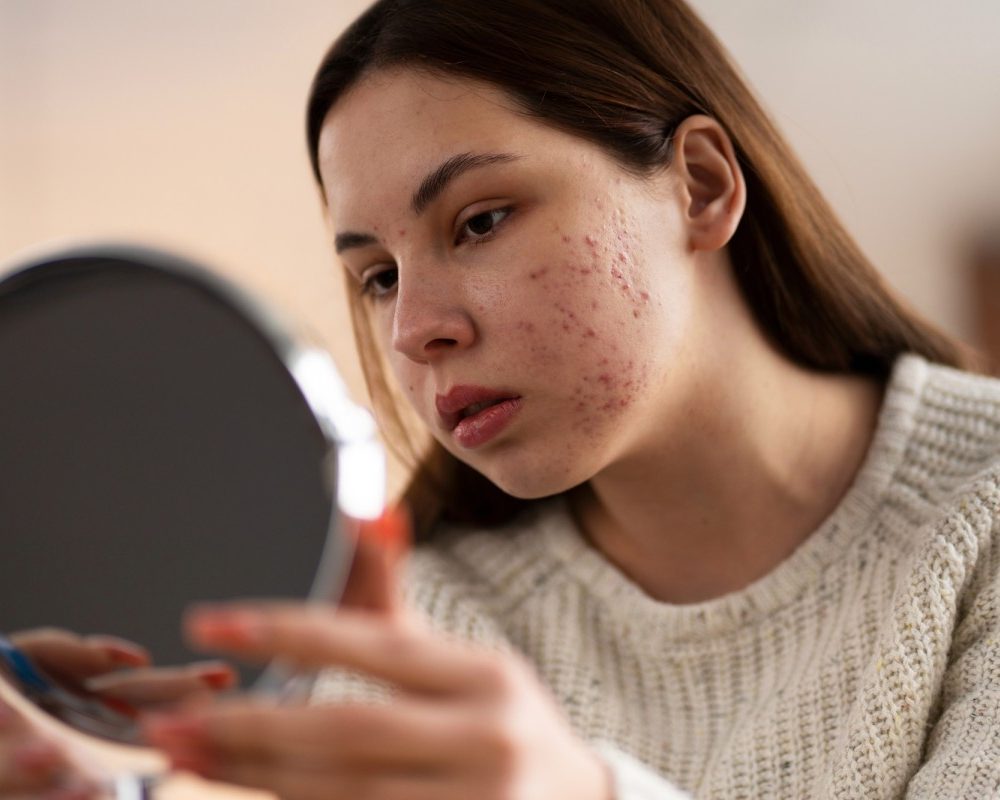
(714, 191)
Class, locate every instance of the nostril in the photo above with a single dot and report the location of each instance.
(439, 344)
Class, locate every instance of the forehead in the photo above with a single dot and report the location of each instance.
(388, 131)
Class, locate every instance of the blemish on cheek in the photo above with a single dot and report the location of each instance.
(644, 296)
(566, 239)
(526, 326)
(538, 273)
(590, 240)
(589, 333)
(402, 232)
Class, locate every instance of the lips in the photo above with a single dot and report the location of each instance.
(475, 414)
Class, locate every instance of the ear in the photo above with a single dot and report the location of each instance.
(713, 190)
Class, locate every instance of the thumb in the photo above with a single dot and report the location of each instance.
(379, 552)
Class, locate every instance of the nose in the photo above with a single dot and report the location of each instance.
(429, 320)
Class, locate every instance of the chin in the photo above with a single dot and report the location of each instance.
(531, 482)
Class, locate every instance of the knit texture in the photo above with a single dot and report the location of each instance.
(866, 665)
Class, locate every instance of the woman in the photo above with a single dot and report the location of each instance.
(706, 509)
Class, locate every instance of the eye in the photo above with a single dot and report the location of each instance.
(480, 227)
(377, 284)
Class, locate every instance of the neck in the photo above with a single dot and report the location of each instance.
(721, 498)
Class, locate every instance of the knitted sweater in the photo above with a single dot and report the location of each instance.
(866, 665)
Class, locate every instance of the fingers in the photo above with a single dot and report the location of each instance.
(380, 545)
(412, 735)
(162, 685)
(71, 659)
(400, 652)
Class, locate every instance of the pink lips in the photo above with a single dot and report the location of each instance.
(475, 414)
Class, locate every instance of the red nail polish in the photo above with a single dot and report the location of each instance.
(392, 529)
(218, 679)
(121, 707)
(125, 656)
(225, 629)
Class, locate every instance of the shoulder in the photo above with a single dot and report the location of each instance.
(942, 505)
(953, 449)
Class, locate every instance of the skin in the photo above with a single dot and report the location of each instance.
(607, 303)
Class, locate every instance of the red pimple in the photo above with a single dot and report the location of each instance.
(604, 378)
(590, 240)
(566, 239)
(402, 232)
(590, 333)
(644, 296)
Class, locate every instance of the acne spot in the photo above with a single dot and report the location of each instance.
(566, 239)
(589, 333)
(644, 296)
(538, 273)
(402, 232)
(590, 240)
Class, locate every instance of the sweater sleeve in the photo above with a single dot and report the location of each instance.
(962, 756)
(633, 780)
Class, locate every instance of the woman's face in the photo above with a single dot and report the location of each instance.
(531, 296)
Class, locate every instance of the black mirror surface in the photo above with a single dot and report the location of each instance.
(155, 449)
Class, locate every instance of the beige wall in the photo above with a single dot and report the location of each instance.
(180, 123)
(175, 123)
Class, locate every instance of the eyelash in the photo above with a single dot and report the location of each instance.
(368, 285)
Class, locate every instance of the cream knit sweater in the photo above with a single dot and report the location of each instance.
(867, 665)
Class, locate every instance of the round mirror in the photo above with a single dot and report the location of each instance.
(164, 439)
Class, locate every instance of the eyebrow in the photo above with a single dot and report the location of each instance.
(430, 188)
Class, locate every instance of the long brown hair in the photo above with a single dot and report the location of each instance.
(623, 74)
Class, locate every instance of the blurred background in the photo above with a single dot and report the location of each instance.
(181, 124)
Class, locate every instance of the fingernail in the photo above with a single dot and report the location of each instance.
(226, 628)
(392, 529)
(37, 756)
(121, 707)
(218, 679)
(126, 656)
